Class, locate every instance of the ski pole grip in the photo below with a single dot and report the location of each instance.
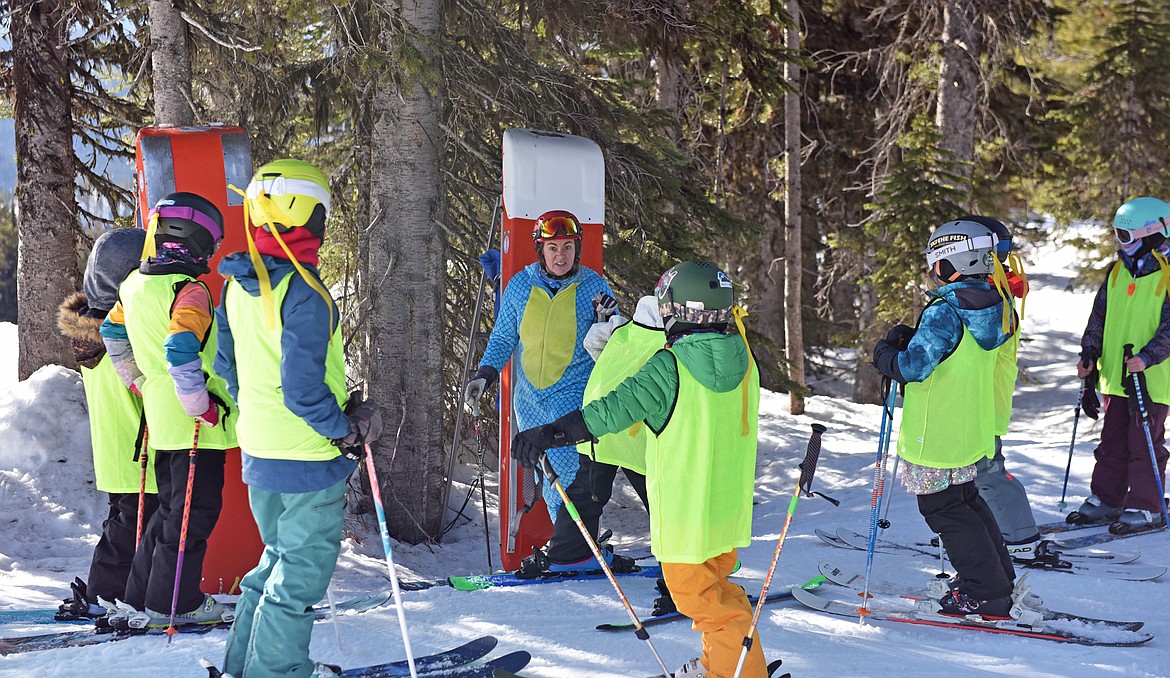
(808, 467)
(1128, 351)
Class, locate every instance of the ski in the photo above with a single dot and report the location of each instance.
(46, 615)
(94, 636)
(1031, 625)
(773, 666)
(459, 662)
(1064, 562)
(1101, 538)
(478, 582)
(780, 593)
(856, 581)
(861, 544)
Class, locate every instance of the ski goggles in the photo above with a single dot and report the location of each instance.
(948, 245)
(1126, 237)
(188, 213)
(557, 227)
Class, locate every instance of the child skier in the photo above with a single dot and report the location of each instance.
(161, 338)
(1130, 308)
(115, 416)
(1004, 493)
(699, 397)
(948, 421)
(280, 350)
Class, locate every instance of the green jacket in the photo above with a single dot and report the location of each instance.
(700, 399)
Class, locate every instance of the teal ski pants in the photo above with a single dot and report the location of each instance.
(274, 623)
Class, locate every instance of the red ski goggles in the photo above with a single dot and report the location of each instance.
(555, 228)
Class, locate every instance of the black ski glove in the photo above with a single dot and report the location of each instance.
(1090, 403)
(528, 446)
(604, 306)
(899, 336)
(885, 359)
(365, 425)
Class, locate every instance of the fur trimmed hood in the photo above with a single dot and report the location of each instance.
(78, 321)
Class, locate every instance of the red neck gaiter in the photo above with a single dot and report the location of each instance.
(303, 245)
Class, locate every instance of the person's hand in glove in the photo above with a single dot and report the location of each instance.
(211, 416)
(1087, 363)
(528, 446)
(899, 336)
(604, 306)
(483, 378)
(365, 426)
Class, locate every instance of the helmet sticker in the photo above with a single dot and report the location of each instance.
(724, 281)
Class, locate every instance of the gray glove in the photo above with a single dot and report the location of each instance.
(604, 306)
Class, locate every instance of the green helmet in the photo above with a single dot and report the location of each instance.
(1140, 218)
(696, 293)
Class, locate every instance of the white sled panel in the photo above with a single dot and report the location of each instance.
(552, 171)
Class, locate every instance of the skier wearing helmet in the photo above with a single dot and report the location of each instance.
(160, 335)
(1131, 307)
(281, 352)
(699, 397)
(544, 314)
(948, 367)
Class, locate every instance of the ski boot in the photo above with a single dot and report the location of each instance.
(1093, 511)
(959, 604)
(210, 611)
(1136, 520)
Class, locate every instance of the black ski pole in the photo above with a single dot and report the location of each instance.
(807, 468)
(1068, 467)
(639, 630)
(1137, 388)
(479, 450)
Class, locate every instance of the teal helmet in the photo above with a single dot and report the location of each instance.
(695, 293)
(1140, 218)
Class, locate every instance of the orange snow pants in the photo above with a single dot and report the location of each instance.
(720, 611)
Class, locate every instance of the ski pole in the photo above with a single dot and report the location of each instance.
(804, 484)
(639, 630)
(884, 523)
(191, 459)
(1137, 388)
(879, 481)
(1068, 467)
(143, 456)
(382, 527)
(479, 451)
(333, 615)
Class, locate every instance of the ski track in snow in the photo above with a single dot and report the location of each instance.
(50, 513)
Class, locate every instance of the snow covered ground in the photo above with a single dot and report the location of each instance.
(49, 514)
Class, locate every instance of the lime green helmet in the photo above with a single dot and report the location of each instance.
(695, 293)
(288, 194)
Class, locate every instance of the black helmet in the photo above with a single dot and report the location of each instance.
(189, 219)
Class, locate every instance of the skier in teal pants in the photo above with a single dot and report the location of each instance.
(280, 350)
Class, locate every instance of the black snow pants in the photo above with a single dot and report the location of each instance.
(590, 492)
(972, 540)
(152, 576)
(110, 567)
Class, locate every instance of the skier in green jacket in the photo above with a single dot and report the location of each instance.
(699, 397)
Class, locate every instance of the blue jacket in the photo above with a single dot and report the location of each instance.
(969, 303)
(302, 374)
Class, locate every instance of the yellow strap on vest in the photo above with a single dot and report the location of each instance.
(739, 314)
(268, 209)
(1164, 276)
(1017, 265)
(148, 249)
(1000, 283)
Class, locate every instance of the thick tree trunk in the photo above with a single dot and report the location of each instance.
(171, 62)
(47, 270)
(406, 286)
(793, 261)
(958, 83)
